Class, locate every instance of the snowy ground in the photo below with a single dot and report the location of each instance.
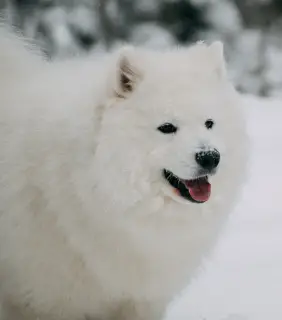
(243, 278)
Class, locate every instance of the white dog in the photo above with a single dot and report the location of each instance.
(116, 175)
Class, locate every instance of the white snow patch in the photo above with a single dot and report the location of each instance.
(152, 35)
(224, 16)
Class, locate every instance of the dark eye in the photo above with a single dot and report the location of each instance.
(167, 128)
(209, 124)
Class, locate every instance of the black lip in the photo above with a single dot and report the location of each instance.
(177, 183)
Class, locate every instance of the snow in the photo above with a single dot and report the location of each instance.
(243, 278)
(152, 36)
(224, 16)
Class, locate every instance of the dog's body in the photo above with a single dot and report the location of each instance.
(89, 226)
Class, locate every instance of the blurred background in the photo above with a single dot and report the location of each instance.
(250, 29)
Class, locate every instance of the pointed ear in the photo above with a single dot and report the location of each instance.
(217, 52)
(128, 74)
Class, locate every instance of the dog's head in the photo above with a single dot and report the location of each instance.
(172, 127)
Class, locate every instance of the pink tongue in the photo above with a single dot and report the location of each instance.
(200, 190)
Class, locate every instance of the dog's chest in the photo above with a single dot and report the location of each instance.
(163, 254)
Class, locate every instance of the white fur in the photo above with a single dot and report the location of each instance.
(89, 229)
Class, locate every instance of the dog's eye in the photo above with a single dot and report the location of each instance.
(209, 124)
(167, 128)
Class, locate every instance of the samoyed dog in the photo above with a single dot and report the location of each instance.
(116, 175)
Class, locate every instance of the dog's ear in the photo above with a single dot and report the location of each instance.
(128, 74)
(217, 51)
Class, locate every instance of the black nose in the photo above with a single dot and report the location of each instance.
(208, 160)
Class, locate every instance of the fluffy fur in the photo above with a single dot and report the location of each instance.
(89, 228)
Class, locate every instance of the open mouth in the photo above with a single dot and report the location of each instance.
(195, 190)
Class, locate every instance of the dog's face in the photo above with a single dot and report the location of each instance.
(173, 127)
